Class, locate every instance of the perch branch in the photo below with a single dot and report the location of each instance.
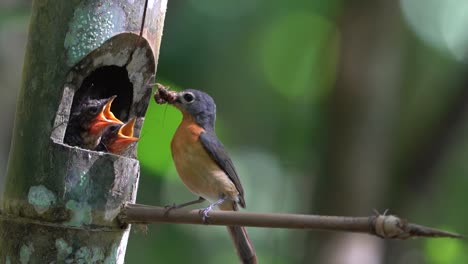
(384, 226)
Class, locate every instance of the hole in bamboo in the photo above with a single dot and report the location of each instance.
(121, 66)
(105, 82)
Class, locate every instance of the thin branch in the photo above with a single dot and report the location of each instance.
(384, 226)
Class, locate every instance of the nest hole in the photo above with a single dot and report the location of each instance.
(102, 83)
(105, 82)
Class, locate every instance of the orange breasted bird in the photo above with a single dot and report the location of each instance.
(204, 165)
(117, 138)
(88, 121)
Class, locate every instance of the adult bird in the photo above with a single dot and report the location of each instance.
(117, 138)
(88, 120)
(204, 165)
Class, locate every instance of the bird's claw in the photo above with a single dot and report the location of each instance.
(205, 213)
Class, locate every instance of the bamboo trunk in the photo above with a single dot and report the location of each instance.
(60, 203)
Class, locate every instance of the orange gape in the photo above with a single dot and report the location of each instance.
(89, 119)
(118, 138)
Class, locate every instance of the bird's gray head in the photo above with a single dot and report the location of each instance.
(197, 104)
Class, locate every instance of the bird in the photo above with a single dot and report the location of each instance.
(117, 137)
(88, 120)
(203, 163)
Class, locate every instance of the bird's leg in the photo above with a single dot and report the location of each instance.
(204, 212)
(178, 206)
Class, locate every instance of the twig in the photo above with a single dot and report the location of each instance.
(384, 226)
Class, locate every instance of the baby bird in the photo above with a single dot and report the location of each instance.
(88, 121)
(117, 138)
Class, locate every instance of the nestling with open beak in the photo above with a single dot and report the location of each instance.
(88, 121)
(117, 138)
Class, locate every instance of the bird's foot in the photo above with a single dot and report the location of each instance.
(205, 212)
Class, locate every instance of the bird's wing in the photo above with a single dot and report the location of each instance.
(217, 152)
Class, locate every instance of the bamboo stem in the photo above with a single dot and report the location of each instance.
(384, 226)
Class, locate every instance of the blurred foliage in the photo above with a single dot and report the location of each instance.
(295, 58)
(445, 252)
(320, 104)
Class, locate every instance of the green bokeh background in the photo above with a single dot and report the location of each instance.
(327, 107)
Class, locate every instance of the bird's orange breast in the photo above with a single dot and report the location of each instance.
(196, 168)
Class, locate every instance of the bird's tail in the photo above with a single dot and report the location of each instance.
(244, 246)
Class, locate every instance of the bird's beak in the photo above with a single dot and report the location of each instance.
(107, 111)
(124, 137)
(175, 99)
(127, 129)
(104, 119)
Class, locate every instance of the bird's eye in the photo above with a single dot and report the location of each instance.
(189, 97)
(93, 110)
